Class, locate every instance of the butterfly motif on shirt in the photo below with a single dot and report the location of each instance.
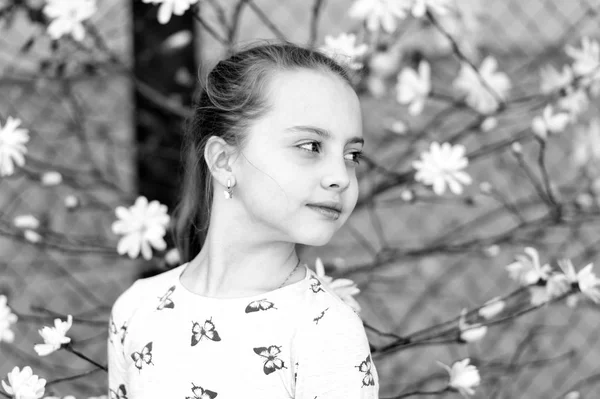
(316, 284)
(145, 356)
(201, 393)
(365, 367)
(114, 331)
(120, 393)
(320, 316)
(208, 331)
(261, 304)
(165, 301)
(272, 363)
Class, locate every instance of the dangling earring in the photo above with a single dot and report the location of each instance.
(229, 191)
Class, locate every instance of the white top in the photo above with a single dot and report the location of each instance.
(299, 341)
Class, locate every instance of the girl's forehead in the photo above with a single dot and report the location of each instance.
(308, 97)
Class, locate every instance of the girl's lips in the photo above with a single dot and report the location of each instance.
(330, 213)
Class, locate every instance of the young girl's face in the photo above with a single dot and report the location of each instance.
(287, 165)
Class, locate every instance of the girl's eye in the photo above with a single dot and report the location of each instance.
(357, 154)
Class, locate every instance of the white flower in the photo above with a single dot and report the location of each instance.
(142, 225)
(586, 146)
(26, 222)
(492, 308)
(478, 95)
(464, 377)
(549, 122)
(489, 123)
(527, 270)
(172, 257)
(169, 7)
(24, 384)
(379, 12)
(344, 49)
(12, 145)
(344, 288)
(32, 236)
(586, 62)
(551, 79)
(470, 332)
(588, 283)
(67, 17)
(420, 6)
(443, 165)
(556, 285)
(573, 395)
(51, 178)
(414, 87)
(575, 102)
(6, 319)
(71, 201)
(54, 337)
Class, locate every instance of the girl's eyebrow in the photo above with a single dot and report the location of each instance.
(323, 133)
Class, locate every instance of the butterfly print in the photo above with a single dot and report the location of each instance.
(272, 363)
(165, 301)
(320, 316)
(261, 304)
(316, 285)
(121, 393)
(201, 393)
(145, 356)
(365, 367)
(208, 331)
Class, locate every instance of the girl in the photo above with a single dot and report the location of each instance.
(278, 129)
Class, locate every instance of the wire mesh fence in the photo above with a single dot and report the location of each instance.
(419, 258)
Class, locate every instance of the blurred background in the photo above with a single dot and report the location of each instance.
(107, 113)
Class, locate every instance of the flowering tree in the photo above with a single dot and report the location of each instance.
(447, 127)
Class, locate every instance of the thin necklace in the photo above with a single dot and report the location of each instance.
(290, 274)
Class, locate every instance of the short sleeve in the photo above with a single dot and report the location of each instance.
(120, 314)
(333, 357)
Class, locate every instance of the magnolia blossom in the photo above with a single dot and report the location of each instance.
(6, 319)
(489, 123)
(586, 143)
(549, 122)
(556, 285)
(419, 7)
(143, 225)
(54, 337)
(67, 17)
(23, 384)
(586, 62)
(12, 146)
(464, 377)
(413, 87)
(379, 12)
(575, 102)
(492, 308)
(552, 80)
(344, 288)
(344, 49)
(71, 201)
(26, 222)
(32, 236)
(51, 178)
(478, 95)
(442, 166)
(470, 332)
(586, 280)
(527, 270)
(169, 7)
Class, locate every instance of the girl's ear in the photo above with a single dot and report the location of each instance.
(219, 158)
